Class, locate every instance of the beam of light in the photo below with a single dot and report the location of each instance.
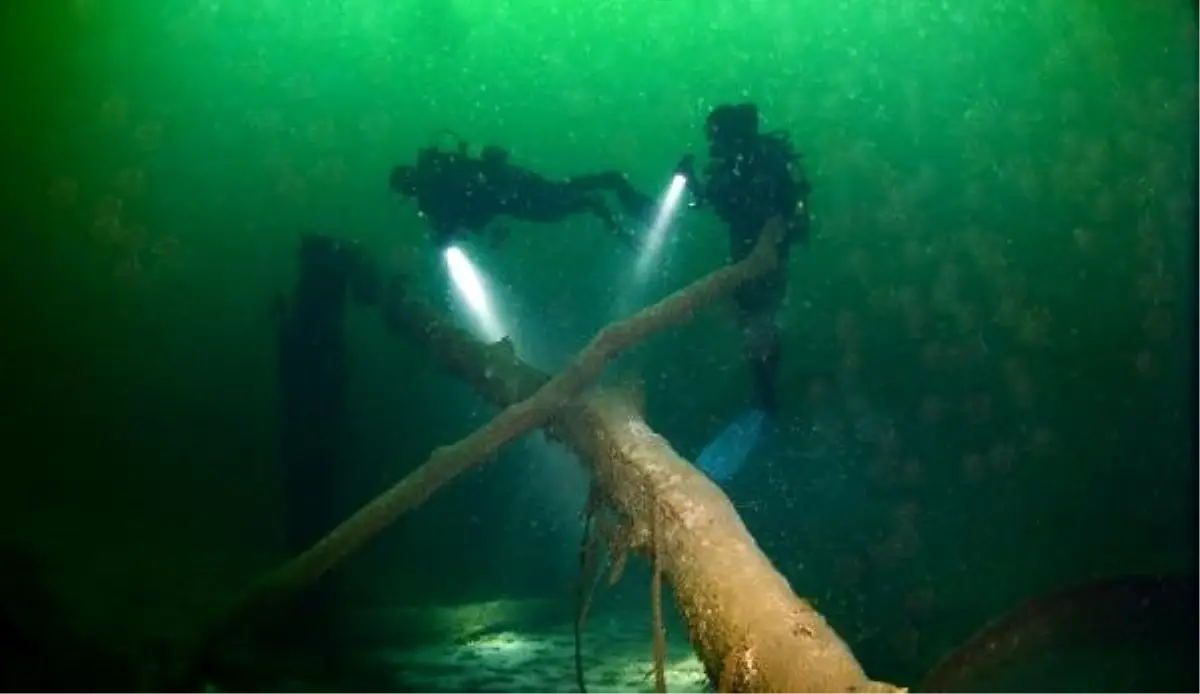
(470, 289)
(668, 208)
(651, 248)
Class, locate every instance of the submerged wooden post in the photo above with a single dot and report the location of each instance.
(310, 345)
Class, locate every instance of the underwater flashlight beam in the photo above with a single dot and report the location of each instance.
(667, 208)
(468, 283)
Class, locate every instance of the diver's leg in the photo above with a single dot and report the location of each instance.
(554, 201)
(583, 194)
(611, 221)
(757, 305)
(638, 206)
(635, 203)
(761, 348)
(545, 201)
(592, 182)
(595, 204)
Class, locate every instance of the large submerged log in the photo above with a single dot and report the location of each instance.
(530, 399)
(746, 624)
(748, 627)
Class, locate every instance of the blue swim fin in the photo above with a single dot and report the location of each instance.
(725, 455)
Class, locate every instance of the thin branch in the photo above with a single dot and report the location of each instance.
(659, 638)
(585, 583)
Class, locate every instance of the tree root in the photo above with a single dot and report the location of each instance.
(586, 583)
(530, 404)
(659, 638)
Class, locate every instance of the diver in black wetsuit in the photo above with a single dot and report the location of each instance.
(460, 194)
(750, 178)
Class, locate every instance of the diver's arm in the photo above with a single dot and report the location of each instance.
(795, 210)
(687, 168)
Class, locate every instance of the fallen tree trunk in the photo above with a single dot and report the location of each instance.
(530, 398)
(750, 630)
(747, 626)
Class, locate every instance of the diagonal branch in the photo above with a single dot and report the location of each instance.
(505, 385)
(747, 626)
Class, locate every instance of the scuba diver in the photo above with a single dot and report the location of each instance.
(750, 178)
(461, 195)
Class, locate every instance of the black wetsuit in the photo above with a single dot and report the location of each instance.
(460, 194)
(755, 180)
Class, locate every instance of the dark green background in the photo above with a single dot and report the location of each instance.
(1000, 277)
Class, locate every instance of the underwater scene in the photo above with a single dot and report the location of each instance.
(623, 346)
